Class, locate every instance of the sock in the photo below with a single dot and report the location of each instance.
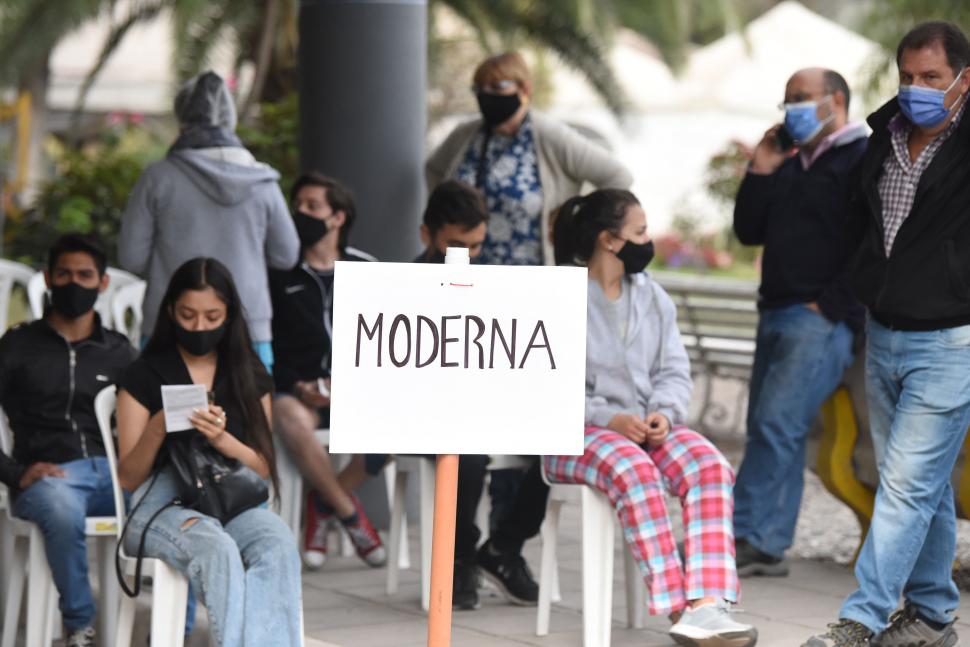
(352, 520)
(935, 626)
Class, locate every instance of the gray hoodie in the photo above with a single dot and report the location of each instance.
(647, 372)
(216, 202)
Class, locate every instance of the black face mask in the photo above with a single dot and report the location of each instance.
(72, 300)
(497, 108)
(309, 229)
(199, 342)
(635, 256)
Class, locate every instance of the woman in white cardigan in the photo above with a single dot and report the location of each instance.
(524, 163)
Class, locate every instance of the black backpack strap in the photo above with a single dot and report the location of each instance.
(141, 544)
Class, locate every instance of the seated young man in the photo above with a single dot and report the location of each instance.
(50, 372)
(302, 299)
(455, 216)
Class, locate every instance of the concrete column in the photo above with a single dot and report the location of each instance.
(363, 83)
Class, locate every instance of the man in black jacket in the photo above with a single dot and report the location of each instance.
(302, 300)
(912, 270)
(797, 205)
(50, 372)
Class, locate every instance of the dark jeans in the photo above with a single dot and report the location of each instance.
(524, 518)
(525, 507)
(521, 521)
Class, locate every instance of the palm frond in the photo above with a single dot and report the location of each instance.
(140, 13)
(29, 30)
(577, 49)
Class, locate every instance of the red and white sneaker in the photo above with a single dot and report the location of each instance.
(315, 536)
(365, 538)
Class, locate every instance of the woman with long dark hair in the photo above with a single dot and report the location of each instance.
(245, 569)
(638, 386)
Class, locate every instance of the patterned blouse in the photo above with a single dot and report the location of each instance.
(513, 196)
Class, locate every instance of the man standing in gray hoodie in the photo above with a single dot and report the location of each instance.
(209, 197)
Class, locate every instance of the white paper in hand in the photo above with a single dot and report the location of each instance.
(180, 401)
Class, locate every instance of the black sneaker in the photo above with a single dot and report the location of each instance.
(464, 595)
(510, 574)
(752, 561)
(907, 627)
(844, 633)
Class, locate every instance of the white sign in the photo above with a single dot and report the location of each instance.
(180, 402)
(458, 359)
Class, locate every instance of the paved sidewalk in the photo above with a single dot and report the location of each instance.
(345, 604)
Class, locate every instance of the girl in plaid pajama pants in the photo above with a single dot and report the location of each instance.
(638, 387)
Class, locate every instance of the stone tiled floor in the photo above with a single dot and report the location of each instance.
(345, 604)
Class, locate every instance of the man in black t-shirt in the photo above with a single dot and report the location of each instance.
(50, 372)
(302, 299)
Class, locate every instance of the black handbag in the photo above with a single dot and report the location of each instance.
(212, 483)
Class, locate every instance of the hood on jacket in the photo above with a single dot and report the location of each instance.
(204, 100)
(226, 178)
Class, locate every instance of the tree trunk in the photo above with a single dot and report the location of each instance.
(264, 55)
(35, 81)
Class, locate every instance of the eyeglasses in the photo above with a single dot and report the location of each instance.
(495, 87)
(783, 106)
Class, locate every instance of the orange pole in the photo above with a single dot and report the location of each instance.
(443, 550)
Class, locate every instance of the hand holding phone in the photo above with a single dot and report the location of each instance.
(783, 140)
(768, 155)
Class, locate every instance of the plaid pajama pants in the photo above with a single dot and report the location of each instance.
(634, 479)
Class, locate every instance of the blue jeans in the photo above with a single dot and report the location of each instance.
(918, 387)
(246, 573)
(59, 507)
(799, 361)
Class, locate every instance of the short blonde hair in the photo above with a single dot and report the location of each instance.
(510, 66)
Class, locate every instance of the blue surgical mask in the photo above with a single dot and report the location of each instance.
(802, 122)
(924, 106)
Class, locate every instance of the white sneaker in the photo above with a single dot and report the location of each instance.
(711, 625)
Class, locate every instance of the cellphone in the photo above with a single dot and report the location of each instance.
(322, 387)
(783, 140)
(210, 396)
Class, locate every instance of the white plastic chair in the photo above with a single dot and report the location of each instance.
(129, 298)
(598, 523)
(118, 279)
(36, 290)
(28, 558)
(11, 274)
(169, 587)
(404, 466)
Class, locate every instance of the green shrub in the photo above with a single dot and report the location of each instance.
(88, 193)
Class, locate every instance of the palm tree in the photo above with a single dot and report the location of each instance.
(577, 31)
(887, 21)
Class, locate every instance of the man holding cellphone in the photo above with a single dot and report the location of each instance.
(795, 201)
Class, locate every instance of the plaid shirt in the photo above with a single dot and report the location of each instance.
(900, 176)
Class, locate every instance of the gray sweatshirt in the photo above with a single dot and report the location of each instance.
(648, 371)
(216, 202)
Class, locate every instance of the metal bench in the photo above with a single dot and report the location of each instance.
(718, 321)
